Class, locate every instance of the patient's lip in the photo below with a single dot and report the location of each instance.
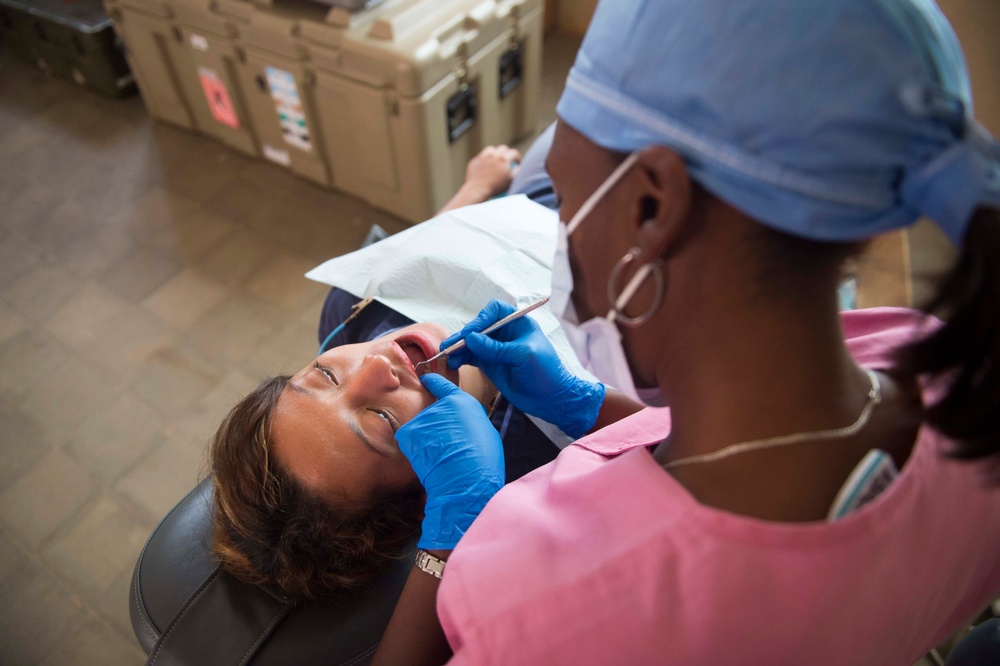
(404, 357)
(417, 349)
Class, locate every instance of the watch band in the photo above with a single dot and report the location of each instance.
(427, 562)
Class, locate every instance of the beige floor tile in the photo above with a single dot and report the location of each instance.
(126, 344)
(174, 146)
(263, 174)
(111, 440)
(154, 210)
(319, 241)
(11, 323)
(44, 498)
(93, 253)
(24, 444)
(239, 202)
(285, 353)
(36, 612)
(96, 202)
(113, 605)
(201, 176)
(201, 421)
(102, 542)
(79, 321)
(140, 273)
(157, 483)
(61, 400)
(26, 358)
(237, 260)
(38, 292)
(311, 312)
(175, 378)
(68, 223)
(185, 298)
(28, 210)
(235, 328)
(94, 642)
(17, 256)
(190, 237)
(12, 561)
(21, 139)
(282, 283)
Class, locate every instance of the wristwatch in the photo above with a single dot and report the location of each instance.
(427, 562)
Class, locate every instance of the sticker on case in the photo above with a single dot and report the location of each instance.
(198, 42)
(218, 98)
(288, 104)
(277, 155)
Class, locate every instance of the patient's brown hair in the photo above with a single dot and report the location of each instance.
(270, 530)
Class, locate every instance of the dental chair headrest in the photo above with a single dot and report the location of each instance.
(186, 611)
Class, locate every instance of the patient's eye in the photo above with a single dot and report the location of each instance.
(326, 371)
(387, 417)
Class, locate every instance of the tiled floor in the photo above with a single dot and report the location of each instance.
(148, 278)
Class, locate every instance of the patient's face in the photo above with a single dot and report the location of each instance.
(333, 426)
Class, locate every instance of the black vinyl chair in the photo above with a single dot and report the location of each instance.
(186, 611)
(980, 647)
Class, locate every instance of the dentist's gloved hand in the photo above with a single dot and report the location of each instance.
(521, 361)
(458, 457)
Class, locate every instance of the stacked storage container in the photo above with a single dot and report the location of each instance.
(278, 87)
(388, 103)
(156, 55)
(73, 39)
(407, 100)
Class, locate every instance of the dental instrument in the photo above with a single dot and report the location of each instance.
(489, 329)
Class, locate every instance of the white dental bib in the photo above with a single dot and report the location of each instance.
(446, 269)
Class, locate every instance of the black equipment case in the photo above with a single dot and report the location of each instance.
(73, 38)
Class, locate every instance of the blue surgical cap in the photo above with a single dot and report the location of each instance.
(828, 119)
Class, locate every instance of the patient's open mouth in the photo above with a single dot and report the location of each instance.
(417, 349)
(418, 346)
(413, 352)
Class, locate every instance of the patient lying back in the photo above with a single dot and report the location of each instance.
(312, 493)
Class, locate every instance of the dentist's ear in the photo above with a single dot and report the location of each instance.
(662, 203)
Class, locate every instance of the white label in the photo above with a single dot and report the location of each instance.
(198, 42)
(288, 105)
(276, 155)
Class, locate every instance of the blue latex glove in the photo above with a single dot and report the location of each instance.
(458, 457)
(521, 361)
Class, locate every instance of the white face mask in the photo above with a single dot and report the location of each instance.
(597, 342)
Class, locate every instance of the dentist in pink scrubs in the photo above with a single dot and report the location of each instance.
(806, 485)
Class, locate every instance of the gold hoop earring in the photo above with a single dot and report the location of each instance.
(654, 267)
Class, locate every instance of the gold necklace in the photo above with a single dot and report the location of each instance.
(874, 398)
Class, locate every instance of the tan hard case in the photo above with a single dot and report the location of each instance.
(388, 104)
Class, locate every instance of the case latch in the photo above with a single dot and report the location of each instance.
(512, 60)
(462, 107)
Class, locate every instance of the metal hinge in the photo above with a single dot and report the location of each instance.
(462, 65)
(392, 105)
(514, 26)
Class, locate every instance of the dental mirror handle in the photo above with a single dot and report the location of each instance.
(489, 329)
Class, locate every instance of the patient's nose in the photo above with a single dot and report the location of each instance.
(377, 374)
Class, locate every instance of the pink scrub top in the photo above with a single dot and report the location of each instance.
(601, 557)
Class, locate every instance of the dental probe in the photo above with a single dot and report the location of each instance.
(489, 329)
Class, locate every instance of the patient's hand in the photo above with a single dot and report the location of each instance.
(488, 174)
(491, 171)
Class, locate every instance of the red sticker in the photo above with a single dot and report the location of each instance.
(218, 98)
